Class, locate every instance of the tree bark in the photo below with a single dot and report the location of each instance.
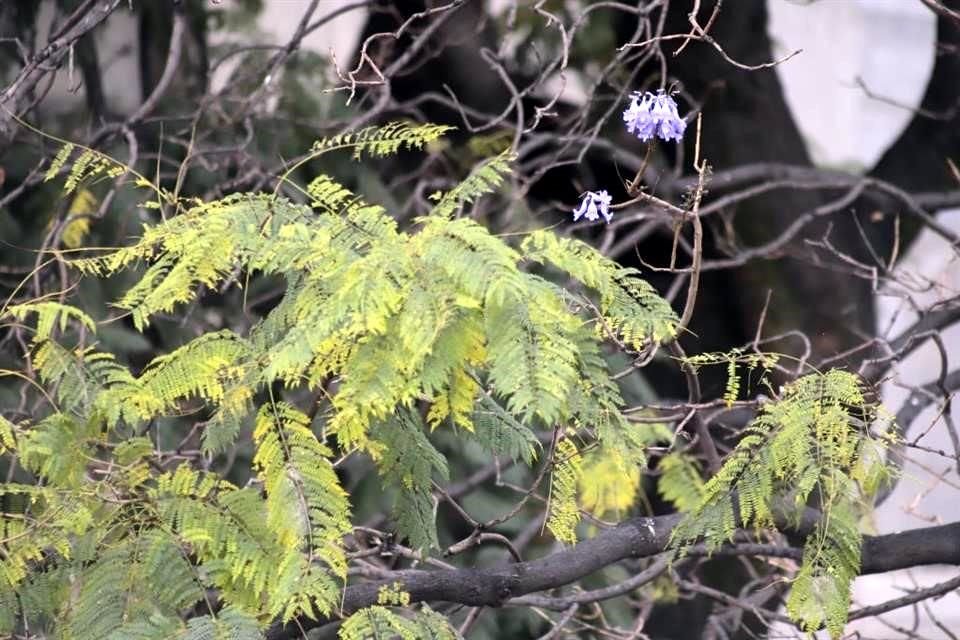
(747, 120)
(634, 538)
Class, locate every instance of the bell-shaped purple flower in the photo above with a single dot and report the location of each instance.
(594, 205)
(637, 116)
(652, 115)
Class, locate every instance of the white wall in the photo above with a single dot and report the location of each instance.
(887, 44)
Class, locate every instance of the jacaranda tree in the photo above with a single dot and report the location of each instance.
(418, 348)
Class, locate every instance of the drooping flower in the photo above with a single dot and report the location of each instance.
(594, 205)
(652, 115)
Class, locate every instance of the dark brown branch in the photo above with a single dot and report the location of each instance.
(559, 604)
(918, 400)
(938, 8)
(82, 21)
(910, 339)
(911, 598)
(750, 174)
(635, 538)
(169, 69)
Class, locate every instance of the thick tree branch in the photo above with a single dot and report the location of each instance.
(635, 538)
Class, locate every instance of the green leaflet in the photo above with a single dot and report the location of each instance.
(407, 461)
(564, 515)
(307, 510)
(680, 481)
(88, 164)
(502, 434)
(486, 177)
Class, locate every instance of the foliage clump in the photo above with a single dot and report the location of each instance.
(405, 331)
(396, 333)
(811, 447)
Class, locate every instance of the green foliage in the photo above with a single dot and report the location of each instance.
(307, 510)
(811, 443)
(502, 434)
(608, 481)
(95, 384)
(733, 361)
(59, 161)
(87, 165)
(48, 316)
(397, 333)
(380, 623)
(394, 332)
(77, 224)
(597, 402)
(112, 590)
(486, 177)
(228, 530)
(680, 481)
(407, 462)
(59, 448)
(229, 624)
(628, 305)
(454, 296)
(563, 512)
(383, 141)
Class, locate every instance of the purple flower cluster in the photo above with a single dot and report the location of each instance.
(649, 115)
(594, 205)
(652, 115)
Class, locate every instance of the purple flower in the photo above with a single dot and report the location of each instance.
(652, 115)
(594, 205)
